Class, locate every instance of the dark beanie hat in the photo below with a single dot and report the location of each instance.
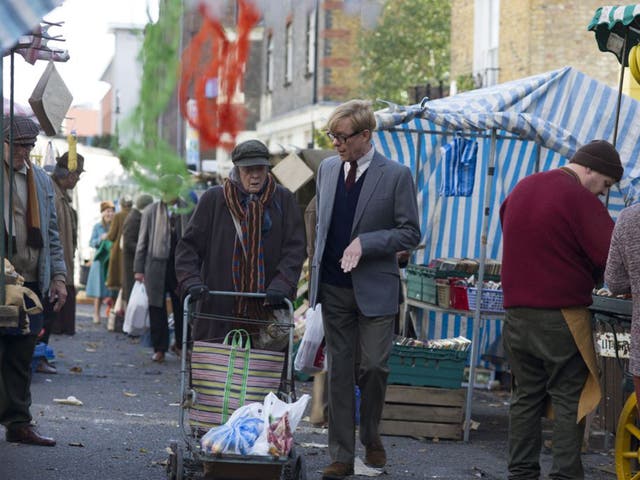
(601, 156)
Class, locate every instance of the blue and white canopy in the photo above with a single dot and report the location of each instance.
(540, 121)
(19, 17)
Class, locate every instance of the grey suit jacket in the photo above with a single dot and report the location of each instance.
(386, 220)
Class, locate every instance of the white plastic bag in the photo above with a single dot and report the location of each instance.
(276, 411)
(136, 317)
(309, 359)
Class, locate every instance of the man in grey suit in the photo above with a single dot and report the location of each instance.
(367, 211)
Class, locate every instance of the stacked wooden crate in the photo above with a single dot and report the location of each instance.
(423, 412)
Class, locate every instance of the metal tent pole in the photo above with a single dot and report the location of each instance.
(3, 249)
(477, 315)
(619, 102)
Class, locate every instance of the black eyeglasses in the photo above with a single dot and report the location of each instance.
(342, 138)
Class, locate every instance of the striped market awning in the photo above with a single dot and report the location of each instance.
(19, 17)
(611, 24)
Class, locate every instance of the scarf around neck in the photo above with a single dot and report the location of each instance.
(160, 243)
(248, 255)
(34, 231)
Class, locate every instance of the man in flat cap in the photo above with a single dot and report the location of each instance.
(65, 177)
(244, 236)
(556, 235)
(35, 251)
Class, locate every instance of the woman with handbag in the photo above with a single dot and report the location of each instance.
(96, 283)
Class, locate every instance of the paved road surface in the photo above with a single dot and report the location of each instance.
(130, 413)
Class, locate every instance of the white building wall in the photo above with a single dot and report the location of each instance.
(127, 75)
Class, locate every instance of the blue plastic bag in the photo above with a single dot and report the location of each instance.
(238, 435)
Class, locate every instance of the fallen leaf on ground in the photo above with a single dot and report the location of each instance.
(143, 450)
(130, 394)
(76, 369)
(70, 400)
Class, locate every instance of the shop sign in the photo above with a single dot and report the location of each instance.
(606, 344)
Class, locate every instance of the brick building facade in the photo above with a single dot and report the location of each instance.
(534, 36)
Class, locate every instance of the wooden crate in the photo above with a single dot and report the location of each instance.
(423, 412)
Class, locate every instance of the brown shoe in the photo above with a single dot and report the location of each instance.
(375, 456)
(158, 357)
(45, 367)
(27, 434)
(337, 471)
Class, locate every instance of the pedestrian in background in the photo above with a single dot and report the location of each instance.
(63, 321)
(367, 211)
(622, 277)
(37, 255)
(244, 236)
(96, 287)
(161, 226)
(130, 231)
(556, 235)
(114, 272)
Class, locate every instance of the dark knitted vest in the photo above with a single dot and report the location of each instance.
(339, 235)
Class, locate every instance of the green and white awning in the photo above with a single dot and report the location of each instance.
(612, 24)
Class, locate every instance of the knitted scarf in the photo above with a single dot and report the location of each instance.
(34, 233)
(248, 256)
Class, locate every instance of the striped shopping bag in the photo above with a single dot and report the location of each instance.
(227, 375)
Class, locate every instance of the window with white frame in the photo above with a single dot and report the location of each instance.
(270, 63)
(311, 41)
(486, 64)
(288, 59)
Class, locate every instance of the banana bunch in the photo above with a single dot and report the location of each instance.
(634, 62)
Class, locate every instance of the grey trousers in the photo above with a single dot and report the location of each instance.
(350, 334)
(545, 363)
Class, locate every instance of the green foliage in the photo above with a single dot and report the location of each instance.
(465, 83)
(321, 141)
(153, 161)
(410, 46)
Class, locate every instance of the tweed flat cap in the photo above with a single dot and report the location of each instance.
(249, 153)
(25, 130)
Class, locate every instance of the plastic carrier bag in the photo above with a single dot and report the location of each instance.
(238, 435)
(136, 317)
(310, 356)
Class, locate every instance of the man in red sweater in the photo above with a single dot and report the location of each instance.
(556, 235)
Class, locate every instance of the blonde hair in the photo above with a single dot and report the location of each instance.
(359, 112)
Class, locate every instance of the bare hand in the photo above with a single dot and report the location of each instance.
(58, 294)
(138, 277)
(351, 256)
(103, 236)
